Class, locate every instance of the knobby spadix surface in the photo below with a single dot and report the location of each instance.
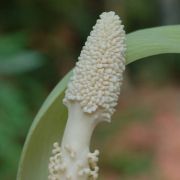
(49, 123)
(91, 97)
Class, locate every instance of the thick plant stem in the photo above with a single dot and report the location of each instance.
(79, 128)
(76, 142)
(75, 160)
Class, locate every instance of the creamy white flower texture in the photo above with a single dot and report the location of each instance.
(98, 73)
(58, 169)
(91, 96)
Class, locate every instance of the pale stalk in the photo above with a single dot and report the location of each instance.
(76, 142)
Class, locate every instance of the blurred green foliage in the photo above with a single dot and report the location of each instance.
(14, 58)
(132, 163)
(40, 41)
(13, 126)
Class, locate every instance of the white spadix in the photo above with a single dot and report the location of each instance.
(91, 97)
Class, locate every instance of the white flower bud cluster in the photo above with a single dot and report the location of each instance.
(58, 168)
(55, 165)
(92, 171)
(97, 76)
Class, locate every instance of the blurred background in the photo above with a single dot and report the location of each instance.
(40, 41)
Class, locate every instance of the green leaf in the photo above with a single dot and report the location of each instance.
(46, 129)
(50, 120)
(153, 41)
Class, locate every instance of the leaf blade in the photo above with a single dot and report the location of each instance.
(52, 115)
(152, 41)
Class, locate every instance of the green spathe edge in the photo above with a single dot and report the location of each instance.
(49, 123)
